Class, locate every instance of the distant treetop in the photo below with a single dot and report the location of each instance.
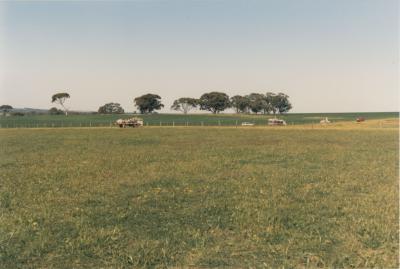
(185, 104)
(5, 109)
(214, 102)
(148, 103)
(111, 108)
(60, 98)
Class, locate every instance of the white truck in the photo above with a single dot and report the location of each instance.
(132, 122)
(276, 121)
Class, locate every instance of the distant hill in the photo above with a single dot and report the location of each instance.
(30, 110)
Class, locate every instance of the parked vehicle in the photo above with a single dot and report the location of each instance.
(247, 124)
(133, 122)
(276, 122)
(360, 119)
(325, 121)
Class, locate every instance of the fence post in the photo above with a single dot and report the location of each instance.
(160, 123)
(219, 123)
(173, 124)
(90, 124)
(236, 123)
(187, 124)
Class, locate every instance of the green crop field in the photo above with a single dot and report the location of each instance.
(88, 120)
(200, 197)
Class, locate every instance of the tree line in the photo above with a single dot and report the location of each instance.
(217, 102)
(214, 102)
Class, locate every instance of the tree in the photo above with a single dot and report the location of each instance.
(60, 98)
(270, 99)
(214, 102)
(5, 109)
(55, 111)
(281, 103)
(111, 108)
(257, 102)
(240, 103)
(148, 103)
(185, 104)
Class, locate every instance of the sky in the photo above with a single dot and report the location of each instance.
(328, 56)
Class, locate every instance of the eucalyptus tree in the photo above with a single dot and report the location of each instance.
(241, 104)
(60, 98)
(148, 103)
(281, 103)
(111, 108)
(5, 109)
(214, 102)
(257, 102)
(185, 104)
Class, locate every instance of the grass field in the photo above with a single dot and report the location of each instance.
(180, 119)
(202, 197)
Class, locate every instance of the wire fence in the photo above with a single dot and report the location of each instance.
(111, 124)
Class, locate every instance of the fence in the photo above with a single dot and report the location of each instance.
(63, 124)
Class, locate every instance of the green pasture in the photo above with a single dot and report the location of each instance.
(199, 197)
(92, 120)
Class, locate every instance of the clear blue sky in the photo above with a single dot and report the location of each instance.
(328, 56)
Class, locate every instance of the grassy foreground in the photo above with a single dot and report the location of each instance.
(203, 197)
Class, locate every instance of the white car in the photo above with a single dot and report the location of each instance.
(247, 124)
